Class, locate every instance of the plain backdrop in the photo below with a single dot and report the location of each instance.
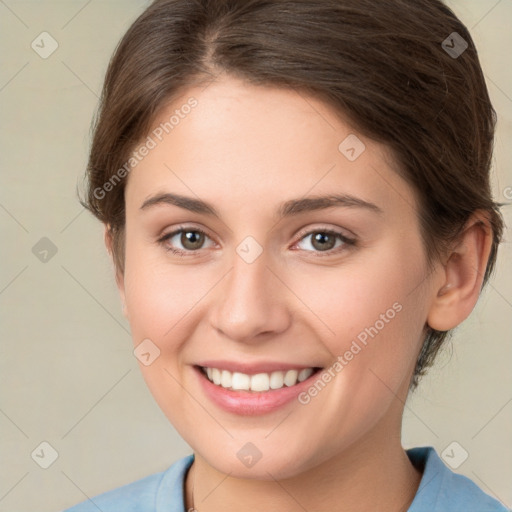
(68, 374)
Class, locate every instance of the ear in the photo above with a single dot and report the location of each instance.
(462, 278)
(118, 274)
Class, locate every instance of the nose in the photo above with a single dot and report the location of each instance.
(251, 304)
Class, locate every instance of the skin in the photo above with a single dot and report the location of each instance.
(245, 149)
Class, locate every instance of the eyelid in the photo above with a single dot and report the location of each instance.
(182, 227)
(348, 240)
(163, 238)
(325, 229)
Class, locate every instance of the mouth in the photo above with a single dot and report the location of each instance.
(253, 391)
(258, 382)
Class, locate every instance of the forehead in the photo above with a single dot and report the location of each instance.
(255, 145)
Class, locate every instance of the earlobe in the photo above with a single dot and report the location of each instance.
(463, 275)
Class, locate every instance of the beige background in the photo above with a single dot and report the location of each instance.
(68, 376)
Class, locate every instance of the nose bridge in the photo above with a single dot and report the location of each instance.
(249, 301)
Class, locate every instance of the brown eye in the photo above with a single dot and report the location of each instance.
(324, 241)
(192, 240)
(184, 241)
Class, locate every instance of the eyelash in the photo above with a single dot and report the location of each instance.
(347, 242)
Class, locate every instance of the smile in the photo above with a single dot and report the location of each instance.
(259, 382)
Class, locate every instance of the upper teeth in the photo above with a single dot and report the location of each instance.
(259, 381)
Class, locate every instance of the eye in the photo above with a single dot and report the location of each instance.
(324, 241)
(191, 239)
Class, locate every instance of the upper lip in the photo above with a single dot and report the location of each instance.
(254, 367)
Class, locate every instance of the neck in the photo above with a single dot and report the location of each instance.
(372, 474)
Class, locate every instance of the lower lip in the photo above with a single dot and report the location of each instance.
(248, 403)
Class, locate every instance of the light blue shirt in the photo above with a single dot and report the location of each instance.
(440, 490)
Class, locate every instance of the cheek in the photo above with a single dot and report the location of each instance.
(372, 309)
(160, 300)
(377, 313)
(158, 294)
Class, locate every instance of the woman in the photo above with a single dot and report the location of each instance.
(296, 198)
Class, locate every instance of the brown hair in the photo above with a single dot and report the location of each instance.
(384, 65)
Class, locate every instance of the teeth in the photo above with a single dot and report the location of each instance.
(304, 374)
(240, 381)
(276, 380)
(291, 377)
(215, 376)
(225, 379)
(259, 382)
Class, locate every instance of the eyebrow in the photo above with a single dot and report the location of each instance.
(286, 209)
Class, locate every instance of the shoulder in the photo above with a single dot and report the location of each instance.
(443, 490)
(160, 491)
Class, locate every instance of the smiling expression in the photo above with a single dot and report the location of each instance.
(269, 278)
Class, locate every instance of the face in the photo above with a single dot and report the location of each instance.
(254, 281)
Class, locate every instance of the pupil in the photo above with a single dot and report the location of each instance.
(192, 237)
(321, 237)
